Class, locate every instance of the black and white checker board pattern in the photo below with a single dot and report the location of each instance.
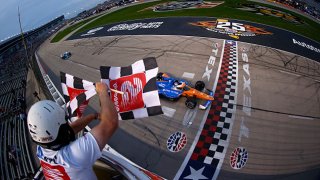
(208, 154)
(87, 88)
(149, 67)
(227, 89)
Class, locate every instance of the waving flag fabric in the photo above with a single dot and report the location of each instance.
(77, 93)
(138, 82)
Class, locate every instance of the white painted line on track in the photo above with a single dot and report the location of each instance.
(188, 75)
(169, 112)
(285, 72)
(181, 54)
(301, 117)
(194, 143)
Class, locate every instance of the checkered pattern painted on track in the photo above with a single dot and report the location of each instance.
(209, 152)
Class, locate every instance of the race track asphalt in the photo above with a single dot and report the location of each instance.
(272, 100)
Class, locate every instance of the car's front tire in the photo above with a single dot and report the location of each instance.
(191, 103)
(199, 85)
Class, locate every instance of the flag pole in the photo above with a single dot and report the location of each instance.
(116, 91)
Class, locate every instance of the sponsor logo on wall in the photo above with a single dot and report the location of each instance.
(233, 29)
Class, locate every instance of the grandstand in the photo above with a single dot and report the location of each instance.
(16, 158)
(310, 7)
(13, 128)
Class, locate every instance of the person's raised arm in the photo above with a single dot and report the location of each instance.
(108, 117)
(82, 122)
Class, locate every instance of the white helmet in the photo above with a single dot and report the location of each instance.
(48, 125)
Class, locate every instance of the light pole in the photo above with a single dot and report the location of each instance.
(22, 37)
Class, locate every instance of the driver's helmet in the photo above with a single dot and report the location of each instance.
(181, 85)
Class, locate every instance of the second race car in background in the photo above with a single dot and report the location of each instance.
(66, 55)
(173, 88)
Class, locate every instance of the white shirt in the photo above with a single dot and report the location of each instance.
(73, 161)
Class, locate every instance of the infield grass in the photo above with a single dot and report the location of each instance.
(228, 9)
(69, 29)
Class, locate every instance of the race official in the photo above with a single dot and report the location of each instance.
(61, 155)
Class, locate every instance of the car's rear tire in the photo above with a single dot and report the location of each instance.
(159, 76)
(199, 85)
(191, 103)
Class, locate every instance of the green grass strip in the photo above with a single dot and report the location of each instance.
(68, 30)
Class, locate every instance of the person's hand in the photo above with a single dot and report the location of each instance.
(101, 88)
(97, 116)
(94, 116)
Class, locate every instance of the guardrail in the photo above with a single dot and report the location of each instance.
(37, 70)
(57, 97)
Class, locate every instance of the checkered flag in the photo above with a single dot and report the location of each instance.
(138, 82)
(77, 93)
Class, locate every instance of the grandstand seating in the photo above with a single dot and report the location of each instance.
(13, 130)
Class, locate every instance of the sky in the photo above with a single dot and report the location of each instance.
(35, 13)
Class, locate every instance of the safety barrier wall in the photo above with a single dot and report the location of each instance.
(50, 87)
(39, 77)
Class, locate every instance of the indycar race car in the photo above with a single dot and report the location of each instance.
(66, 55)
(172, 89)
